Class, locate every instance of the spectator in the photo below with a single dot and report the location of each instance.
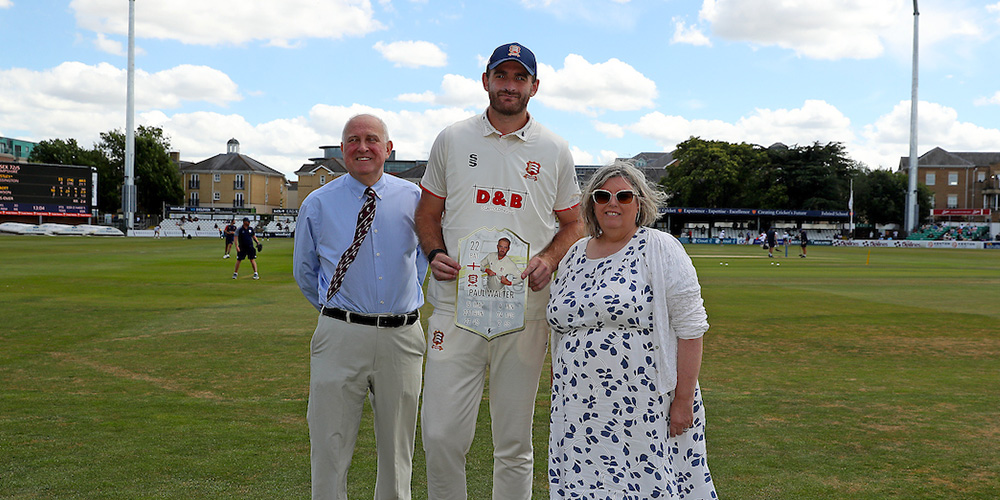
(627, 318)
(363, 274)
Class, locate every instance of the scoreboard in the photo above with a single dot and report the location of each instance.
(43, 189)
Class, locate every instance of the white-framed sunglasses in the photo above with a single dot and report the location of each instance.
(602, 196)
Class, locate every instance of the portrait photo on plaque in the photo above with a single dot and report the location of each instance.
(491, 293)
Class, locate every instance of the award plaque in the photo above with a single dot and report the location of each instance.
(491, 294)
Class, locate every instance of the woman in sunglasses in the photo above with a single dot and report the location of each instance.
(627, 319)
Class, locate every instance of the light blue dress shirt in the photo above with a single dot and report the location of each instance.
(387, 274)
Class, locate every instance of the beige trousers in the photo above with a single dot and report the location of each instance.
(347, 363)
(457, 362)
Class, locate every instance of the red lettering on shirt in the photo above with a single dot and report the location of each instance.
(515, 200)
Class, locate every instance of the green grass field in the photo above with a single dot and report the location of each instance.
(137, 368)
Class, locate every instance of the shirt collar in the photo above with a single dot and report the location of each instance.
(522, 133)
(357, 189)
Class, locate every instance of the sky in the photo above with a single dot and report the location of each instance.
(616, 77)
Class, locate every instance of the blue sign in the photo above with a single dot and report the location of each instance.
(752, 212)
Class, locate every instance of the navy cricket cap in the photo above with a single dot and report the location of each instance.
(513, 52)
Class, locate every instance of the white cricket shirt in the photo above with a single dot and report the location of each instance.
(517, 182)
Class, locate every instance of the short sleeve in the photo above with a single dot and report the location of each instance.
(435, 180)
(568, 191)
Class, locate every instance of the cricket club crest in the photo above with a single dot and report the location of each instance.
(531, 170)
(514, 50)
(437, 340)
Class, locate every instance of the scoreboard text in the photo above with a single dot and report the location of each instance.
(42, 189)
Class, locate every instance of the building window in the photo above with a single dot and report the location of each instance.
(238, 182)
(981, 176)
(218, 177)
(193, 199)
(238, 200)
(930, 178)
(322, 180)
(952, 201)
(194, 182)
(952, 178)
(216, 196)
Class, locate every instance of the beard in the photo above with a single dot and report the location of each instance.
(508, 108)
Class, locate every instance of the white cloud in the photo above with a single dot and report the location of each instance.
(610, 130)
(986, 101)
(606, 156)
(6, 4)
(956, 22)
(937, 126)
(412, 133)
(412, 54)
(588, 88)
(286, 144)
(848, 29)
(426, 97)
(76, 100)
(603, 157)
(73, 84)
(819, 30)
(814, 121)
(690, 35)
(456, 91)
(113, 47)
(201, 22)
(880, 145)
(581, 157)
(596, 12)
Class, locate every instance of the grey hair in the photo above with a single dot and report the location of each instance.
(385, 129)
(649, 198)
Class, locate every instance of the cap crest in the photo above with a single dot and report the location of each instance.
(513, 52)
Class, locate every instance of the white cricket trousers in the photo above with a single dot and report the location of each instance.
(348, 362)
(457, 361)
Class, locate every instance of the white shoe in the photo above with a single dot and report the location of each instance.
(225, 256)
(236, 275)
(255, 276)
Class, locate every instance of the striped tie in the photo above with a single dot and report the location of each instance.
(365, 218)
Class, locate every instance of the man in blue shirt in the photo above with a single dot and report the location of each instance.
(368, 340)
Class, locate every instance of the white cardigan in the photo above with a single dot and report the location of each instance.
(678, 309)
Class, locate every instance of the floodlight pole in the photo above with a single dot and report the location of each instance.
(911, 218)
(128, 189)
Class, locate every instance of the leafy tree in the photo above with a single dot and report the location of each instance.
(68, 152)
(880, 197)
(715, 174)
(157, 180)
(817, 177)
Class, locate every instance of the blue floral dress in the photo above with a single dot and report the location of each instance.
(609, 428)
